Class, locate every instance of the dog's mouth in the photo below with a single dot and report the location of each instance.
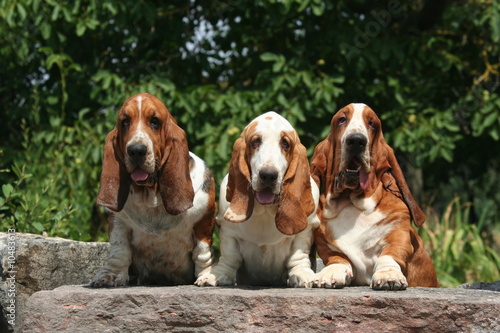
(140, 176)
(356, 172)
(266, 196)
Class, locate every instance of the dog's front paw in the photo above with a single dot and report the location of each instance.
(207, 279)
(334, 276)
(301, 278)
(390, 279)
(108, 278)
(212, 280)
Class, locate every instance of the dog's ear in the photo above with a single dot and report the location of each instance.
(322, 164)
(325, 162)
(386, 169)
(296, 200)
(115, 180)
(175, 184)
(239, 192)
(416, 212)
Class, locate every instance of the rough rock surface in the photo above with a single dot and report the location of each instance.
(493, 286)
(190, 308)
(43, 263)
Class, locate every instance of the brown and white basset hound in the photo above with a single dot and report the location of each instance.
(267, 210)
(160, 197)
(366, 209)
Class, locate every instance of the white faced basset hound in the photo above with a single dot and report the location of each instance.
(267, 210)
(160, 197)
(366, 209)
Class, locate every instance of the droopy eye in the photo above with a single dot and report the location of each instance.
(285, 145)
(342, 121)
(155, 123)
(371, 124)
(256, 143)
(126, 122)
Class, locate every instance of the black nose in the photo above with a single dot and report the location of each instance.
(268, 175)
(137, 151)
(356, 142)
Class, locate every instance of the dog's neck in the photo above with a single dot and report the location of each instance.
(148, 195)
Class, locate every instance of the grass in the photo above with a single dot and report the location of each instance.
(462, 252)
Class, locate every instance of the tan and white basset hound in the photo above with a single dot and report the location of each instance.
(160, 197)
(267, 210)
(366, 209)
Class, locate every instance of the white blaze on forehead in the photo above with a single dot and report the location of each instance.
(139, 136)
(356, 123)
(139, 107)
(139, 103)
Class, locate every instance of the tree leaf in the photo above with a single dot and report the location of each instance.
(80, 28)
(7, 190)
(21, 11)
(268, 56)
(38, 226)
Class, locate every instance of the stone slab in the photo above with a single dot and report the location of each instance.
(42, 263)
(252, 309)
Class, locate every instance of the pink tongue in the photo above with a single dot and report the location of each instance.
(139, 175)
(265, 196)
(363, 179)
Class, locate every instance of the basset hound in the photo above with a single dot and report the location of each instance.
(366, 209)
(267, 210)
(160, 198)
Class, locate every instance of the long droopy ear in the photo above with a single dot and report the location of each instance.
(239, 192)
(323, 164)
(175, 184)
(416, 212)
(115, 180)
(296, 200)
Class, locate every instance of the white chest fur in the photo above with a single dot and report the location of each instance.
(145, 212)
(358, 236)
(263, 249)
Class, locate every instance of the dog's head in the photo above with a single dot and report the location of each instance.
(146, 149)
(355, 157)
(269, 165)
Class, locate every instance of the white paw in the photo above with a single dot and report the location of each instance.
(301, 278)
(108, 278)
(390, 279)
(206, 279)
(334, 276)
(213, 280)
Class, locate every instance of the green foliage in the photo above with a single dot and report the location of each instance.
(462, 252)
(430, 71)
(25, 212)
(62, 162)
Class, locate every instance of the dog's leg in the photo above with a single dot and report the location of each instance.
(338, 268)
(390, 265)
(115, 272)
(300, 274)
(202, 257)
(224, 273)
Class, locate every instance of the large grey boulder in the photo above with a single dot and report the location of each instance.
(41, 263)
(195, 309)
